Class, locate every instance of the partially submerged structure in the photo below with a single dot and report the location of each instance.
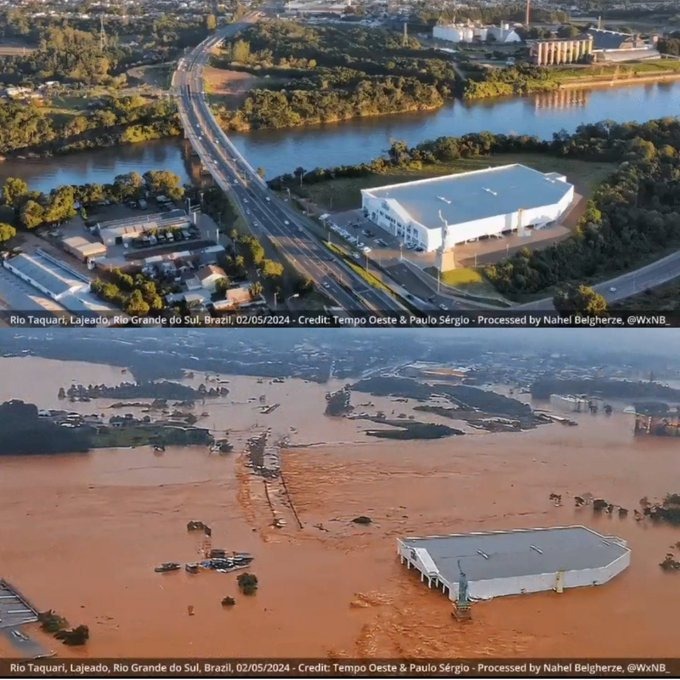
(515, 562)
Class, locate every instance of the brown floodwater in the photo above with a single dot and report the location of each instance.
(81, 534)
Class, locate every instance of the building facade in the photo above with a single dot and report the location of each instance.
(568, 51)
(446, 211)
(517, 562)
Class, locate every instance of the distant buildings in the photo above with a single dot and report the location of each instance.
(615, 46)
(596, 45)
(467, 33)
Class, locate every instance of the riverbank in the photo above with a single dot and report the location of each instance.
(527, 79)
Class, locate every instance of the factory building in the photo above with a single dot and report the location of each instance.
(515, 562)
(613, 46)
(48, 275)
(464, 207)
(567, 51)
(467, 33)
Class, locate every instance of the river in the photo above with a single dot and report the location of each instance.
(279, 151)
(82, 533)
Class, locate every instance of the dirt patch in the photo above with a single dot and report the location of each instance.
(229, 87)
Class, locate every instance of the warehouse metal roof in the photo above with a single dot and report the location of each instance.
(470, 196)
(51, 277)
(524, 552)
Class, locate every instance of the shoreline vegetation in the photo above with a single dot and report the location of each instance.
(327, 74)
(35, 132)
(632, 216)
(27, 431)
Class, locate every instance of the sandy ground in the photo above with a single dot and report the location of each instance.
(232, 86)
(82, 533)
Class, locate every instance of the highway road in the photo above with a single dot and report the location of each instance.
(270, 217)
(650, 276)
(267, 215)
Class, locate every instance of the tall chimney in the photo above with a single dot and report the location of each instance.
(527, 19)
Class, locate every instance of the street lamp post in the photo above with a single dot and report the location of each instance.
(290, 297)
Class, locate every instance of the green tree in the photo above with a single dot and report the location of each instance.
(32, 214)
(7, 231)
(572, 299)
(271, 269)
(221, 286)
(136, 305)
(164, 182)
(240, 51)
(13, 189)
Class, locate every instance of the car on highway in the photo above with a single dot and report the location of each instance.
(366, 250)
(443, 307)
(266, 198)
(286, 222)
(612, 289)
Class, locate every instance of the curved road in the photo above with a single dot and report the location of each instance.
(266, 214)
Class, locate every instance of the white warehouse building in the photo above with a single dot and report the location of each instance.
(466, 206)
(515, 562)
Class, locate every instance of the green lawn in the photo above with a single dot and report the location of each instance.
(366, 275)
(344, 193)
(467, 280)
(637, 68)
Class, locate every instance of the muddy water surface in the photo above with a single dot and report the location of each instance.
(82, 533)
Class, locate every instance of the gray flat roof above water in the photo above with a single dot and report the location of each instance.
(469, 196)
(507, 554)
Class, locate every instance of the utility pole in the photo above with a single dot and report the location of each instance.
(102, 33)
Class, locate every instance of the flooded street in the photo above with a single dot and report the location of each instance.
(81, 534)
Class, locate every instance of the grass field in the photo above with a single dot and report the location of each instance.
(155, 75)
(625, 70)
(366, 275)
(467, 280)
(344, 193)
